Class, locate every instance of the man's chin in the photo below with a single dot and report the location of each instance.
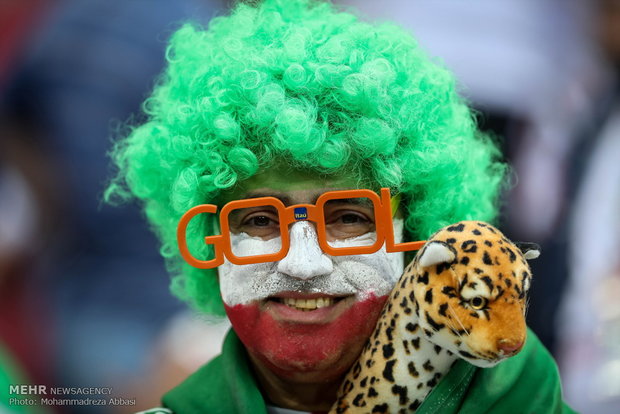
(306, 345)
(308, 371)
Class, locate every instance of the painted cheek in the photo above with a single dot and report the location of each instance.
(290, 348)
(245, 284)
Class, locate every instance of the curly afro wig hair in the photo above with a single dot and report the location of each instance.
(301, 83)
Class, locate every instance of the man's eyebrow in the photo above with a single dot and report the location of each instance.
(258, 194)
(358, 201)
(286, 200)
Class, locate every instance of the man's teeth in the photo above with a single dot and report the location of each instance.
(308, 304)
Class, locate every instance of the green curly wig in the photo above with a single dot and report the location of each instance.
(300, 83)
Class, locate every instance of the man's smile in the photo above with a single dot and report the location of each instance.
(310, 308)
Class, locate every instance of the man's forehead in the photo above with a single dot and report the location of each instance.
(292, 186)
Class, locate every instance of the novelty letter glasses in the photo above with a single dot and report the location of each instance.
(358, 216)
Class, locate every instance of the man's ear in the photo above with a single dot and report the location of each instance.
(529, 250)
(436, 252)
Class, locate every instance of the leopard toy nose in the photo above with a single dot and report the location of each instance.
(509, 347)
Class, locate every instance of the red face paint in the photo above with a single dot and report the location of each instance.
(289, 342)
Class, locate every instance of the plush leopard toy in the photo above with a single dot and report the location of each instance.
(463, 296)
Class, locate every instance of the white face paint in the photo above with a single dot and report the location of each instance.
(307, 269)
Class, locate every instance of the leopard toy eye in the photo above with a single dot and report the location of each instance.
(478, 302)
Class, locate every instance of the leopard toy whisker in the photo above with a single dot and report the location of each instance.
(526, 307)
(459, 321)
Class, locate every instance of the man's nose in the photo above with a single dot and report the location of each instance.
(305, 259)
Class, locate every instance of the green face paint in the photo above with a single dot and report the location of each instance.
(284, 180)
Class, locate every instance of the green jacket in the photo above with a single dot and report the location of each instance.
(11, 375)
(526, 383)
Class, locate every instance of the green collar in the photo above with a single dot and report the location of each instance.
(225, 385)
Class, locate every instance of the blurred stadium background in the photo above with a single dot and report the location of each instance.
(83, 292)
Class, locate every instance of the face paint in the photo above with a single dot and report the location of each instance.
(287, 339)
(294, 347)
(307, 269)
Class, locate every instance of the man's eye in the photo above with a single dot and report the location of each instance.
(343, 224)
(260, 221)
(352, 219)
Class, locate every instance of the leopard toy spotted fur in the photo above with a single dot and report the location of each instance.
(462, 297)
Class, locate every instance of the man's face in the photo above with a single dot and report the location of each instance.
(306, 317)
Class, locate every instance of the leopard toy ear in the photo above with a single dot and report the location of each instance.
(529, 250)
(436, 252)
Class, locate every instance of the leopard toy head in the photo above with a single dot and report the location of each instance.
(464, 296)
(470, 284)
